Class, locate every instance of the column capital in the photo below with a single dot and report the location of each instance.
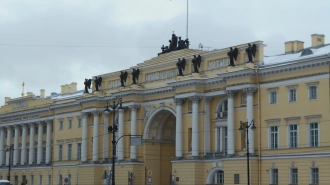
(230, 93)
(9, 127)
(250, 90)
(85, 114)
(49, 121)
(96, 112)
(195, 99)
(134, 107)
(16, 125)
(207, 100)
(32, 124)
(23, 124)
(178, 101)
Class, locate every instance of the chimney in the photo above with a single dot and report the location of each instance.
(42, 93)
(62, 89)
(73, 87)
(317, 39)
(67, 88)
(6, 100)
(29, 94)
(294, 46)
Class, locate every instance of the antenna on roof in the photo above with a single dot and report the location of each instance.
(187, 21)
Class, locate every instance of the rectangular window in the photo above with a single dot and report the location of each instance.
(40, 180)
(314, 134)
(292, 95)
(49, 179)
(79, 151)
(61, 125)
(293, 135)
(19, 156)
(31, 180)
(69, 151)
(44, 154)
(293, 176)
(69, 178)
(274, 137)
(60, 150)
(218, 177)
(45, 130)
(273, 97)
(314, 175)
(37, 129)
(35, 155)
(28, 131)
(21, 132)
(70, 124)
(6, 134)
(79, 122)
(13, 133)
(222, 139)
(312, 92)
(274, 176)
(27, 156)
(236, 178)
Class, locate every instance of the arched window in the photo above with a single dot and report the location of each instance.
(222, 109)
(218, 177)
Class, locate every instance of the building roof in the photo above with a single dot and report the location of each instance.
(277, 59)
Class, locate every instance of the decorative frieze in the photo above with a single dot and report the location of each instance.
(159, 75)
(218, 63)
(19, 105)
(114, 84)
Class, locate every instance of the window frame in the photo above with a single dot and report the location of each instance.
(312, 181)
(291, 179)
(271, 174)
(270, 91)
(290, 88)
(309, 134)
(79, 153)
(289, 136)
(60, 152)
(69, 152)
(70, 123)
(270, 137)
(309, 85)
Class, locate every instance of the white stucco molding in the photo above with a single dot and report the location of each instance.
(273, 121)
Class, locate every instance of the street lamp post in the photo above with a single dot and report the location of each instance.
(9, 149)
(247, 126)
(113, 129)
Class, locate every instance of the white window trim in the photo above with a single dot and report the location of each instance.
(270, 90)
(312, 84)
(308, 133)
(58, 157)
(59, 123)
(40, 180)
(70, 119)
(290, 175)
(79, 117)
(67, 153)
(288, 135)
(271, 175)
(218, 124)
(269, 136)
(78, 151)
(310, 174)
(290, 87)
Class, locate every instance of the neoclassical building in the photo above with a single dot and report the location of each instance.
(189, 124)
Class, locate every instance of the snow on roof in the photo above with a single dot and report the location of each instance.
(68, 96)
(296, 56)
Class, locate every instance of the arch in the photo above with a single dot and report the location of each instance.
(149, 120)
(218, 107)
(211, 174)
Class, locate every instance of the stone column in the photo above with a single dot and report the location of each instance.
(106, 138)
(195, 127)
(9, 131)
(84, 116)
(133, 130)
(31, 146)
(249, 115)
(24, 135)
(207, 125)
(120, 144)
(2, 150)
(230, 121)
(48, 142)
(178, 129)
(40, 132)
(95, 158)
(15, 159)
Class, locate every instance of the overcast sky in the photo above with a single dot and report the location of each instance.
(47, 44)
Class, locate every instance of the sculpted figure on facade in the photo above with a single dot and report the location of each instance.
(98, 82)
(251, 51)
(123, 78)
(87, 84)
(135, 76)
(181, 66)
(174, 44)
(197, 63)
(233, 53)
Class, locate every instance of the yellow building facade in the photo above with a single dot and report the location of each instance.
(189, 124)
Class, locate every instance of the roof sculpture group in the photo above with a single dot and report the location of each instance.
(175, 44)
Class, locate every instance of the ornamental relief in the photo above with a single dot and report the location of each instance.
(218, 63)
(159, 75)
(114, 84)
(19, 105)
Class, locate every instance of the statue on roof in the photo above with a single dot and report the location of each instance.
(181, 66)
(98, 82)
(186, 43)
(135, 75)
(251, 51)
(181, 44)
(175, 44)
(233, 53)
(197, 63)
(87, 84)
(174, 41)
(123, 77)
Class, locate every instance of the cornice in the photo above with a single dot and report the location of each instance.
(24, 112)
(238, 74)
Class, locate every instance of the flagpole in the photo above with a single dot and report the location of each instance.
(187, 21)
